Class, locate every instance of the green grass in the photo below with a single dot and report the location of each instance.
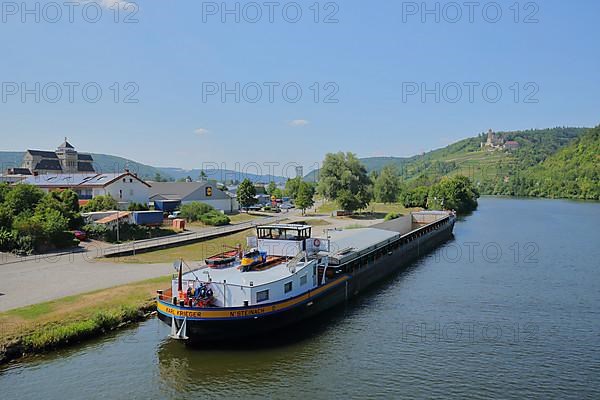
(56, 334)
(70, 319)
(190, 252)
(378, 208)
(317, 222)
(234, 219)
(32, 312)
(354, 226)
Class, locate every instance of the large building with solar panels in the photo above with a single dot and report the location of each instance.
(124, 187)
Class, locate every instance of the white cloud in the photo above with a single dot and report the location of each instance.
(110, 4)
(200, 131)
(299, 122)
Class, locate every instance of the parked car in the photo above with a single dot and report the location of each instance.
(80, 235)
(175, 215)
(286, 206)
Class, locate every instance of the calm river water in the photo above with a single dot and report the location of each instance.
(509, 309)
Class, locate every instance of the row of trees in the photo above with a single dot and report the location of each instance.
(344, 178)
(32, 220)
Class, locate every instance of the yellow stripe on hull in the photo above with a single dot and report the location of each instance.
(220, 313)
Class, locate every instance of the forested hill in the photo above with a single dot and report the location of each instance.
(466, 157)
(572, 172)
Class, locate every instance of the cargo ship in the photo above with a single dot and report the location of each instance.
(287, 276)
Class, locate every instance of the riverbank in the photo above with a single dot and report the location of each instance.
(46, 326)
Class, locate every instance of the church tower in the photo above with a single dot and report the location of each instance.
(68, 157)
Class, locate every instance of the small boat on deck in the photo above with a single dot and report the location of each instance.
(222, 260)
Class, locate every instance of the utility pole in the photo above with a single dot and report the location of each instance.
(117, 226)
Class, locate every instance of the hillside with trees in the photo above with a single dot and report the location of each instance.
(493, 171)
(572, 172)
(344, 179)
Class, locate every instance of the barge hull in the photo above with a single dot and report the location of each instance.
(342, 289)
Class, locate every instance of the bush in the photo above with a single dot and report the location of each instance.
(8, 240)
(193, 211)
(25, 245)
(63, 240)
(100, 203)
(197, 211)
(137, 207)
(96, 231)
(390, 216)
(215, 218)
(6, 216)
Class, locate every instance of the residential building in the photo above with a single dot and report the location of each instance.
(124, 187)
(511, 145)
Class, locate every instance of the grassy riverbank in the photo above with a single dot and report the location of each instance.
(374, 208)
(190, 253)
(44, 326)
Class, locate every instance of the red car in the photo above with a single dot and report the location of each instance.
(80, 235)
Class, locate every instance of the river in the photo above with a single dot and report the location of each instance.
(510, 308)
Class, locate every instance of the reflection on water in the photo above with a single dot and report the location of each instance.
(514, 322)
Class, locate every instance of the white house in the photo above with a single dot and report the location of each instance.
(124, 187)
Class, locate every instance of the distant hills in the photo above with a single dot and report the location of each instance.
(221, 175)
(107, 163)
(573, 171)
(556, 162)
(467, 158)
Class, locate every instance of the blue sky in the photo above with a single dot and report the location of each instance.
(371, 58)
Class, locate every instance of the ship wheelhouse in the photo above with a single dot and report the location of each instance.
(284, 272)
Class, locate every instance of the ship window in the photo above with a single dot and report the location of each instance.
(263, 295)
(303, 280)
(287, 287)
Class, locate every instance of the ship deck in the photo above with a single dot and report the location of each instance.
(232, 275)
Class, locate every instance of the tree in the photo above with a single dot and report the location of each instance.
(271, 188)
(4, 189)
(101, 203)
(291, 187)
(387, 185)
(245, 194)
(194, 210)
(23, 198)
(66, 202)
(203, 176)
(453, 193)
(344, 178)
(159, 178)
(305, 196)
(416, 197)
(277, 193)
